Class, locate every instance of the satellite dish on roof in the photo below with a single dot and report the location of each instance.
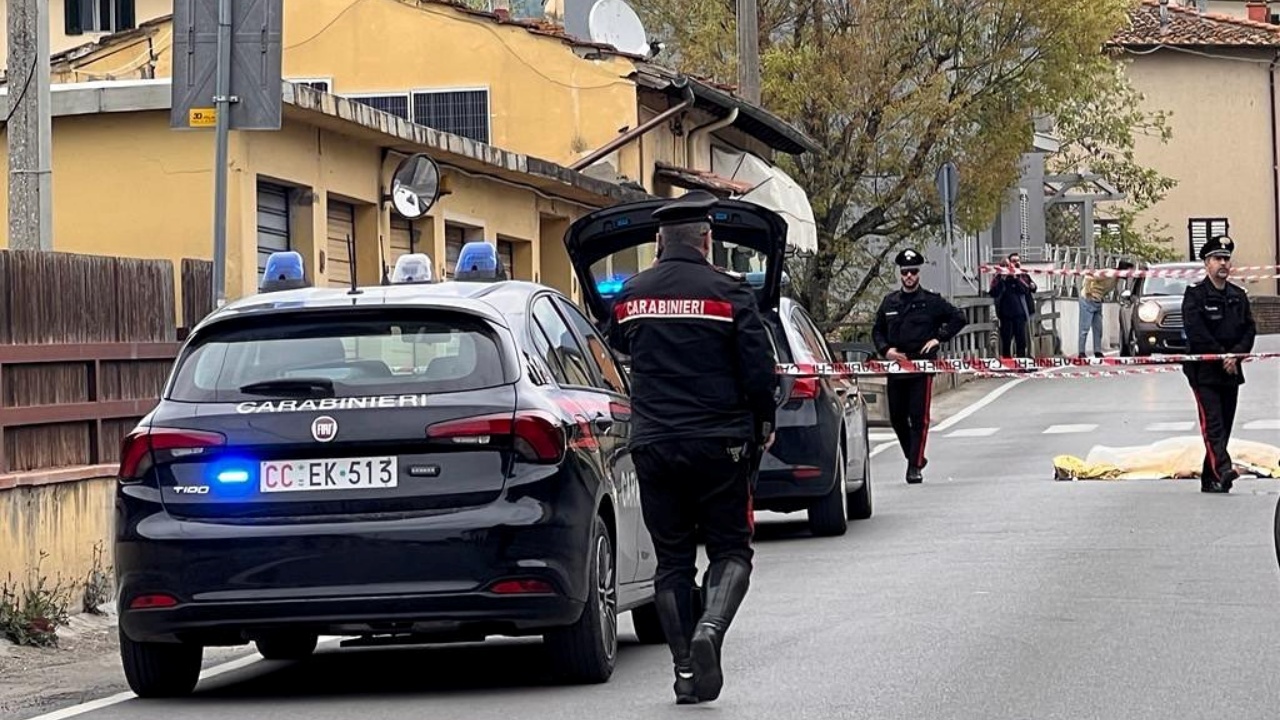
(613, 22)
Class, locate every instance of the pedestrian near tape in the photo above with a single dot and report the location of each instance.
(1217, 319)
(1093, 291)
(911, 324)
(1014, 296)
(704, 393)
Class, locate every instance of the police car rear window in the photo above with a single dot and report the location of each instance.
(360, 355)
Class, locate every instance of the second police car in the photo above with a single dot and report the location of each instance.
(426, 461)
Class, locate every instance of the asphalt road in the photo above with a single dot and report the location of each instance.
(988, 592)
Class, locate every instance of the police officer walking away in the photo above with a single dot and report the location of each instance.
(1217, 320)
(911, 324)
(704, 385)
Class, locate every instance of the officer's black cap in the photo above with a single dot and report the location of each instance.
(909, 258)
(1218, 245)
(694, 206)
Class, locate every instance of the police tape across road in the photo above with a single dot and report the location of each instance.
(1001, 366)
(1194, 273)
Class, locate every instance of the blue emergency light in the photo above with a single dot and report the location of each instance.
(479, 261)
(284, 272)
(412, 269)
(609, 286)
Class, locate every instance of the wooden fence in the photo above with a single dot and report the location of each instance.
(86, 343)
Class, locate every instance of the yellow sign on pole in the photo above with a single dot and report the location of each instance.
(202, 117)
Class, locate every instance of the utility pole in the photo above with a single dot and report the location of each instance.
(222, 101)
(748, 51)
(29, 127)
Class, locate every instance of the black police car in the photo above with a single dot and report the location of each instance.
(426, 462)
(819, 461)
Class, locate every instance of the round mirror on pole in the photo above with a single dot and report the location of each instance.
(415, 186)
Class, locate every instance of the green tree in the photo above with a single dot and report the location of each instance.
(891, 89)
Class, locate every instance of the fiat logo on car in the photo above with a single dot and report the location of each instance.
(324, 428)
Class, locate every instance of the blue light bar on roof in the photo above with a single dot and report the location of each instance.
(479, 261)
(284, 271)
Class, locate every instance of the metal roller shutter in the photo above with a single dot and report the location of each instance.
(507, 251)
(401, 239)
(273, 221)
(342, 224)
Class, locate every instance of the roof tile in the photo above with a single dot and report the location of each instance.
(1188, 27)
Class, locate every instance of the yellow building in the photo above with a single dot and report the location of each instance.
(73, 23)
(126, 184)
(521, 85)
(1216, 75)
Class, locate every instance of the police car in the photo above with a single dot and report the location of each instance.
(418, 461)
(820, 460)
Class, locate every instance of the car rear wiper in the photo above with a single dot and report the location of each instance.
(310, 387)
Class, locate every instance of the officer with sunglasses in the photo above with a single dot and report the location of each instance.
(911, 324)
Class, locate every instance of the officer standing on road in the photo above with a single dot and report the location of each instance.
(704, 386)
(1217, 320)
(911, 324)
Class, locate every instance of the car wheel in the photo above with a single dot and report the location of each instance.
(160, 670)
(829, 516)
(286, 646)
(860, 500)
(648, 625)
(586, 651)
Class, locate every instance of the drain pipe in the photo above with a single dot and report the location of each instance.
(699, 132)
(1275, 160)
(630, 135)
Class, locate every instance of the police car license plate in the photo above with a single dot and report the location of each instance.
(334, 474)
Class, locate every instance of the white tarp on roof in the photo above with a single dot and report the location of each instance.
(771, 188)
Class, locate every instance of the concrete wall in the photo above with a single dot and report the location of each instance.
(57, 514)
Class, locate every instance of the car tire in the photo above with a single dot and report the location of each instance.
(160, 670)
(860, 506)
(829, 516)
(286, 646)
(647, 624)
(586, 651)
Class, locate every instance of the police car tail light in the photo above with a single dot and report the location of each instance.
(537, 436)
(804, 389)
(137, 447)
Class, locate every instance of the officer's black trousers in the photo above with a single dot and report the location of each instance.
(1013, 336)
(692, 487)
(1217, 406)
(910, 397)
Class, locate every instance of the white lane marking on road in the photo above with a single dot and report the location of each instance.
(1064, 429)
(973, 432)
(1263, 425)
(881, 436)
(982, 402)
(118, 698)
(1171, 426)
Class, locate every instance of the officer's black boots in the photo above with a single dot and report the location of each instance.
(914, 476)
(675, 612)
(726, 586)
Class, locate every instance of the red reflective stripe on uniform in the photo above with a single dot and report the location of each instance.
(1204, 433)
(924, 431)
(674, 309)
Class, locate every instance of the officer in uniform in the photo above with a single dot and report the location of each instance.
(1217, 319)
(704, 386)
(911, 324)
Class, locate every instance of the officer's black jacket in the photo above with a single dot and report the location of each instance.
(908, 320)
(1216, 321)
(702, 364)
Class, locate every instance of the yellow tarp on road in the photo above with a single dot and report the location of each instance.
(1175, 458)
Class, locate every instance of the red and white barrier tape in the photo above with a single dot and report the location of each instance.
(1050, 375)
(1112, 273)
(1002, 366)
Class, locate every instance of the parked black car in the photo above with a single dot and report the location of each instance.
(819, 462)
(1151, 312)
(418, 463)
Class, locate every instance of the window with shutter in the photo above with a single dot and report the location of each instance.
(397, 105)
(458, 112)
(1199, 230)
